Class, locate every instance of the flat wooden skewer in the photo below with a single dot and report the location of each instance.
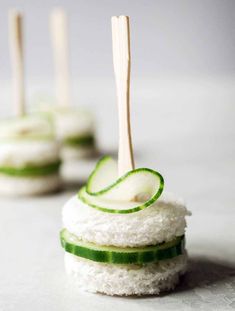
(59, 33)
(122, 66)
(16, 51)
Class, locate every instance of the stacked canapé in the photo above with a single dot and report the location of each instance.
(123, 235)
(29, 156)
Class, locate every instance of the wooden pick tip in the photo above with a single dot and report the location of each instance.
(58, 11)
(14, 13)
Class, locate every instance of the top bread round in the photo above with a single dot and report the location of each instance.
(23, 153)
(161, 222)
(27, 140)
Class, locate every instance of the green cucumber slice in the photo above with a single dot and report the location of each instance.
(29, 171)
(134, 191)
(88, 140)
(117, 255)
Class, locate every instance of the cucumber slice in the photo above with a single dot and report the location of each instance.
(134, 191)
(29, 171)
(117, 255)
(88, 140)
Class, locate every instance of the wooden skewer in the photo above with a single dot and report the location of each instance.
(122, 66)
(16, 51)
(59, 33)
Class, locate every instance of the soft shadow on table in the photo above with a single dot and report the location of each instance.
(205, 272)
(202, 272)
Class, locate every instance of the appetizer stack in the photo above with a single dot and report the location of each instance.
(74, 127)
(122, 235)
(29, 155)
(74, 130)
(120, 238)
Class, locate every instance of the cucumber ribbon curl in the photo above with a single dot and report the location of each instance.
(132, 192)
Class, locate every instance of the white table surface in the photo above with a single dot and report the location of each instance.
(189, 137)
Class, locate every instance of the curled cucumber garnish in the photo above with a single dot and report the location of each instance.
(133, 192)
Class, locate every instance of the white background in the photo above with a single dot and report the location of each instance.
(168, 37)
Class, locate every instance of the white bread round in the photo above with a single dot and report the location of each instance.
(73, 122)
(76, 152)
(27, 126)
(28, 186)
(20, 153)
(125, 280)
(158, 223)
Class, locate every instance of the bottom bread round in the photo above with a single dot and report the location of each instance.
(125, 280)
(15, 186)
(70, 152)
